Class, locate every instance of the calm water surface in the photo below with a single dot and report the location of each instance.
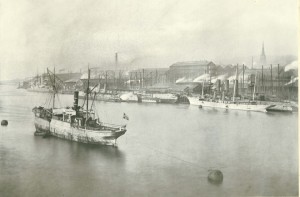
(167, 151)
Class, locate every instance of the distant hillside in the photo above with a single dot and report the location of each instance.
(10, 82)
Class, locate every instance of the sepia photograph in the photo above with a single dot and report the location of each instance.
(131, 98)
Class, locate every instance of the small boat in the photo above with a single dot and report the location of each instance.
(280, 108)
(147, 98)
(165, 98)
(108, 97)
(76, 123)
(130, 97)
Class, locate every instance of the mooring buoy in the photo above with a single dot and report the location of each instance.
(4, 123)
(200, 106)
(215, 176)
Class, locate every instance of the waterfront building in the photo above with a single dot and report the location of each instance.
(190, 70)
(147, 77)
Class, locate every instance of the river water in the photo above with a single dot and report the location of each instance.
(167, 151)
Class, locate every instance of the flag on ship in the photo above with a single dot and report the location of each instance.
(125, 116)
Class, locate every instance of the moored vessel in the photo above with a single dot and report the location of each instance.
(165, 98)
(231, 105)
(130, 97)
(246, 106)
(76, 123)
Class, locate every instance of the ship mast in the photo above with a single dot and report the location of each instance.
(87, 96)
(202, 89)
(235, 81)
(54, 91)
(254, 87)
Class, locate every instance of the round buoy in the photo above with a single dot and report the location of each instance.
(4, 122)
(200, 106)
(215, 176)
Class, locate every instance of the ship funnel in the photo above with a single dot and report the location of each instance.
(76, 101)
(252, 80)
(236, 84)
(219, 85)
(227, 85)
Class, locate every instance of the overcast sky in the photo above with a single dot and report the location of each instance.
(36, 34)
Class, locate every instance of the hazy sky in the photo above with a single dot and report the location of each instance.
(36, 34)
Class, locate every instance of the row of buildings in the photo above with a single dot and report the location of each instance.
(181, 76)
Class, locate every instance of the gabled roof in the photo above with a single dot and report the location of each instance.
(191, 63)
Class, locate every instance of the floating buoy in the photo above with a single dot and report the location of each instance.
(200, 106)
(215, 176)
(4, 122)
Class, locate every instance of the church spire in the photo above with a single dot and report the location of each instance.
(263, 59)
(263, 50)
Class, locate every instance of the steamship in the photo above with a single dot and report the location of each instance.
(75, 124)
(231, 105)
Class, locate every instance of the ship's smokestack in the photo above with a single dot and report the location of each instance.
(76, 101)
(236, 87)
(227, 85)
(219, 85)
(252, 80)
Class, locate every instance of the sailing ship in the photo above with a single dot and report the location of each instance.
(75, 124)
(247, 106)
(234, 105)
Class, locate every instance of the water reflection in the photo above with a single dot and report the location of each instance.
(208, 110)
(281, 113)
(75, 150)
(108, 152)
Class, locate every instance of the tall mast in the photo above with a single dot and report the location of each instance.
(223, 95)
(278, 81)
(262, 77)
(105, 81)
(54, 89)
(99, 84)
(136, 79)
(203, 89)
(243, 77)
(271, 79)
(140, 80)
(143, 78)
(119, 80)
(87, 95)
(209, 84)
(130, 80)
(235, 81)
(115, 71)
(254, 87)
